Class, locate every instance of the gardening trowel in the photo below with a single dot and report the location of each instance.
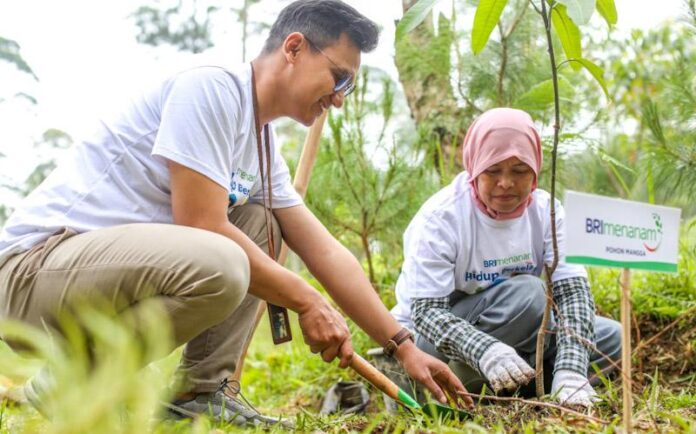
(383, 383)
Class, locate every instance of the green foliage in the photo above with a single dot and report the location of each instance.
(280, 380)
(567, 31)
(52, 140)
(510, 71)
(596, 72)
(9, 52)
(580, 11)
(653, 84)
(672, 153)
(650, 78)
(423, 58)
(365, 188)
(685, 399)
(413, 17)
(156, 27)
(540, 97)
(96, 368)
(187, 26)
(657, 295)
(483, 83)
(243, 17)
(607, 9)
(4, 214)
(486, 18)
(430, 61)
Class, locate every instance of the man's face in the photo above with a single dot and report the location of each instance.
(316, 74)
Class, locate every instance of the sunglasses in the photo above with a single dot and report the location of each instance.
(345, 83)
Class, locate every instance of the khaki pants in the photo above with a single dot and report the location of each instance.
(200, 277)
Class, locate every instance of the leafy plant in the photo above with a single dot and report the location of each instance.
(94, 375)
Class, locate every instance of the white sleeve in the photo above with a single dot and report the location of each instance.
(200, 113)
(429, 258)
(563, 270)
(284, 194)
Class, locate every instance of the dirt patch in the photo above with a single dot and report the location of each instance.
(673, 353)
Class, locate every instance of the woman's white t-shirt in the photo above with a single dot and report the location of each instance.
(451, 245)
(202, 118)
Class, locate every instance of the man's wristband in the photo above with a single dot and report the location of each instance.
(399, 338)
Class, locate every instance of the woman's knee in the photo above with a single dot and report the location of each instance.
(608, 337)
(526, 295)
(510, 311)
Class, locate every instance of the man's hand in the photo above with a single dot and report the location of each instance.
(572, 389)
(326, 332)
(433, 374)
(503, 368)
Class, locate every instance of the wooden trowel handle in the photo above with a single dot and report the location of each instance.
(374, 376)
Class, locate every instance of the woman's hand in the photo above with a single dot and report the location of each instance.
(572, 389)
(433, 374)
(503, 368)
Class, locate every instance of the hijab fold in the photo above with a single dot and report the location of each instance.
(495, 136)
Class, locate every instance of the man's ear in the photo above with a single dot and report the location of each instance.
(292, 46)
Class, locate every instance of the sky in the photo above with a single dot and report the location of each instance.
(85, 56)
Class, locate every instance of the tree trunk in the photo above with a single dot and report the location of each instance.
(424, 64)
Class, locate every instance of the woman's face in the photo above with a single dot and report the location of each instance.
(505, 185)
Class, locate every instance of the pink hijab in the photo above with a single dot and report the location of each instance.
(497, 135)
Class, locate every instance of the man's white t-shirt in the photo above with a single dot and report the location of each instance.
(451, 245)
(202, 118)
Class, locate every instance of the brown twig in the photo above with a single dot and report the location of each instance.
(636, 329)
(539, 403)
(556, 132)
(503, 63)
(539, 371)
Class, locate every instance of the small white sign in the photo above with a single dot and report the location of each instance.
(613, 232)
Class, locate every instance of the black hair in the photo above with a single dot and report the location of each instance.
(323, 22)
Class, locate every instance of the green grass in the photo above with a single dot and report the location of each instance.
(109, 393)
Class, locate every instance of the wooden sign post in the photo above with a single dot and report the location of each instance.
(613, 232)
(626, 380)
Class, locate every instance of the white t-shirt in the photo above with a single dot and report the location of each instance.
(451, 245)
(202, 118)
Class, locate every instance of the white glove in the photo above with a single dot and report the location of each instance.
(571, 388)
(503, 368)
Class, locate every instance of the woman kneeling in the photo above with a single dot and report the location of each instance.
(473, 255)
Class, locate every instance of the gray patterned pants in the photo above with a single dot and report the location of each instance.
(510, 314)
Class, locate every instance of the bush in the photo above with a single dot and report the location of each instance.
(658, 295)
